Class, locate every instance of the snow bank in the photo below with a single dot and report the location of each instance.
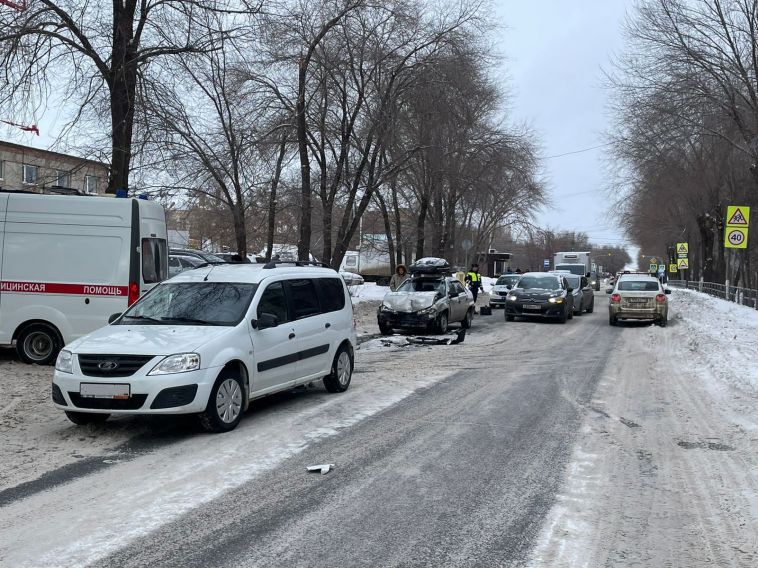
(368, 292)
(721, 335)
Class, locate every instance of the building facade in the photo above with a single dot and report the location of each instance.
(23, 168)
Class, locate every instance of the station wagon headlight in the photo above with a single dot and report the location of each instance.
(512, 297)
(65, 362)
(181, 363)
(427, 311)
(557, 300)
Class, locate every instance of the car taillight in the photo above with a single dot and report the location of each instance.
(133, 293)
(660, 298)
(615, 297)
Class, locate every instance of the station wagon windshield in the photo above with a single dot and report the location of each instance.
(539, 282)
(192, 303)
(423, 285)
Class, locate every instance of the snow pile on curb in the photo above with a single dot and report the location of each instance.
(721, 335)
(368, 292)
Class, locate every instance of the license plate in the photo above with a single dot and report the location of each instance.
(532, 307)
(104, 390)
(637, 300)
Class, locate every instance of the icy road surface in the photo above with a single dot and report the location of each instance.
(530, 444)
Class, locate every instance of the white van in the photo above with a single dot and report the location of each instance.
(210, 340)
(68, 262)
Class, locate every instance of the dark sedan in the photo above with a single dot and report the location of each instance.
(543, 295)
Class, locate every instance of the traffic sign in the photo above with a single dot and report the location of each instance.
(466, 245)
(683, 264)
(738, 216)
(672, 268)
(546, 262)
(653, 260)
(736, 238)
(653, 267)
(682, 250)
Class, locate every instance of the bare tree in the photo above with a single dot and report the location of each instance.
(95, 58)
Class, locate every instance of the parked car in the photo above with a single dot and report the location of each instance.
(178, 263)
(232, 257)
(582, 292)
(210, 340)
(541, 294)
(426, 301)
(502, 288)
(352, 279)
(68, 262)
(205, 257)
(638, 297)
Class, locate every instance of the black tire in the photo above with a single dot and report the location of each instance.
(612, 320)
(226, 404)
(441, 323)
(39, 343)
(592, 306)
(342, 371)
(84, 418)
(467, 321)
(509, 317)
(570, 313)
(385, 329)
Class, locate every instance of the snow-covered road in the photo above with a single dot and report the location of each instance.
(628, 446)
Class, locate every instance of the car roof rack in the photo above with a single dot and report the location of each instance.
(276, 263)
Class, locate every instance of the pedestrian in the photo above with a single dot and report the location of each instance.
(400, 276)
(518, 270)
(474, 280)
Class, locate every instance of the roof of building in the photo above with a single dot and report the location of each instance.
(32, 149)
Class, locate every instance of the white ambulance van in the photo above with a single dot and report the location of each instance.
(68, 262)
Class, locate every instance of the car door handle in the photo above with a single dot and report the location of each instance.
(292, 335)
(327, 325)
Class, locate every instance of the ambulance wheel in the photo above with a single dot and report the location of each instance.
(39, 343)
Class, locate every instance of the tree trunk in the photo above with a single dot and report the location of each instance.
(240, 232)
(421, 226)
(122, 85)
(387, 230)
(304, 241)
(272, 198)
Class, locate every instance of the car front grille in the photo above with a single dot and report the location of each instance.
(112, 365)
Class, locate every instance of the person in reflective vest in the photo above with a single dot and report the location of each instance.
(474, 280)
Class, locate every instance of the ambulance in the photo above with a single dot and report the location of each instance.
(68, 262)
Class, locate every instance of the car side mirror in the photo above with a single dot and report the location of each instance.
(265, 321)
(609, 290)
(667, 291)
(113, 317)
(452, 294)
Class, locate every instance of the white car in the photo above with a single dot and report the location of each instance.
(210, 340)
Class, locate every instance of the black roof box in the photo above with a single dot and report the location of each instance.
(430, 265)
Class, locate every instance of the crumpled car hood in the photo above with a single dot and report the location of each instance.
(409, 301)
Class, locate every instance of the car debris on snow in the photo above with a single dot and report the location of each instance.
(324, 468)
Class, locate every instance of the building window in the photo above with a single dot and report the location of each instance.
(29, 174)
(90, 185)
(62, 179)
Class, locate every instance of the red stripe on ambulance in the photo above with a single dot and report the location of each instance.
(56, 288)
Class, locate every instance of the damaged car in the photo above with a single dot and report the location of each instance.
(428, 302)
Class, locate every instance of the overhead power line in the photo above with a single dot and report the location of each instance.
(578, 151)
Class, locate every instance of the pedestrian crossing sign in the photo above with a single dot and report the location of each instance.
(683, 264)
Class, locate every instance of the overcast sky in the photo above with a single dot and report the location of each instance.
(555, 51)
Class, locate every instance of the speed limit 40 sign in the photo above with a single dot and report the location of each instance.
(735, 238)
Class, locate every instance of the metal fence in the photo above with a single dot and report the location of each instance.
(743, 296)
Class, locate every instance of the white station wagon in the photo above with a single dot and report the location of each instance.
(210, 340)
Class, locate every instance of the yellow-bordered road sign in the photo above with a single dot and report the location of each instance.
(673, 268)
(736, 238)
(683, 264)
(738, 216)
(682, 248)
